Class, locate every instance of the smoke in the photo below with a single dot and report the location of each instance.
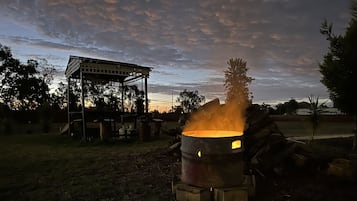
(216, 116)
(231, 115)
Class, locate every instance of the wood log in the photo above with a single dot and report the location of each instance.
(174, 147)
(276, 159)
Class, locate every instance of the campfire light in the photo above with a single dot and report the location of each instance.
(199, 153)
(212, 133)
(236, 144)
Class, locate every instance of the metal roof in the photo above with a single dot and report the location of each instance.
(105, 69)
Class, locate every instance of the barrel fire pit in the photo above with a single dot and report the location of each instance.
(212, 161)
(212, 166)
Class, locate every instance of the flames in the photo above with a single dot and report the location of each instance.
(216, 120)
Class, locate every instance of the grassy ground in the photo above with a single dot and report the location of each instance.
(304, 128)
(52, 167)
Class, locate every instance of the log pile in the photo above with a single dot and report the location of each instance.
(265, 145)
(267, 150)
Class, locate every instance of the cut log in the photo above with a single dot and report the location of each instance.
(174, 147)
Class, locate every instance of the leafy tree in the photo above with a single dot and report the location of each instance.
(267, 107)
(22, 86)
(59, 96)
(237, 81)
(95, 92)
(338, 67)
(134, 99)
(113, 100)
(304, 104)
(280, 108)
(47, 70)
(190, 100)
(177, 109)
(291, 106)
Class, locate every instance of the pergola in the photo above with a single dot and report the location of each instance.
(81, 69)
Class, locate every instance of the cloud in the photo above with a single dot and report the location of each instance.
(279, 39)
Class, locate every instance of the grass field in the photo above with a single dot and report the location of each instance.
(304, 128)
(52, 167)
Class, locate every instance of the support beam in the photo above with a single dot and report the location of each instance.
(83, 108)
(68, 105)
(122, 96)
(146, 96)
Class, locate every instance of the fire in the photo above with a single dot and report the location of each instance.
(212, 133)
(216, 120)
(236, 144)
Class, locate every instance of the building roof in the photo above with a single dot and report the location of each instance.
(105, 69)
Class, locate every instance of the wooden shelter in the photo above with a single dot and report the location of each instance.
(82, 69)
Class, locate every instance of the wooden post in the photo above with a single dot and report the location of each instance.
(83, 108)
(68, 105)
(122, 97)
(146, 96)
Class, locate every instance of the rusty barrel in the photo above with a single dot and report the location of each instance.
(212, 161)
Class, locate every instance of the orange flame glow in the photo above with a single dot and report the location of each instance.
(216, 120)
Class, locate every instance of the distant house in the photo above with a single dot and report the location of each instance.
(303, 111)
(331, 111)
(326, 111)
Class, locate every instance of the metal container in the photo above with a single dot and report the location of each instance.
(212, 161)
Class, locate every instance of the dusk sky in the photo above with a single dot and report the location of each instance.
(187, 42)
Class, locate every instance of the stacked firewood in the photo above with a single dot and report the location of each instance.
(266, 147)
(267, 150)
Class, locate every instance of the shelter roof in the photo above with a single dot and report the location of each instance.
(104, 69)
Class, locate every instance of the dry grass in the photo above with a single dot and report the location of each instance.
(304, 128)
(51, 167)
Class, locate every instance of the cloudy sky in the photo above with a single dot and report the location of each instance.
(187, 42)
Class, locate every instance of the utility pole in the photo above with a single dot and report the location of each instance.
(172, 101)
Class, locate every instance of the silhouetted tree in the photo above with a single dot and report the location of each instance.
(339, 65)
(134, 99)
(59, 96)
(22, 86)
(190, 100)
(237, 82)
(291, 106)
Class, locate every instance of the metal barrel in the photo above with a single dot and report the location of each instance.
(211, 162)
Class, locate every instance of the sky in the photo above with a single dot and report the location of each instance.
(187, 42)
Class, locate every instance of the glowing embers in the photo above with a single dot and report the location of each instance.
(212, 133)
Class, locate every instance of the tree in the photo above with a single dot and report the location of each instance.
(339, 65)
(134, 99)
(291, 106)
(59, 97)
(237, 81)
(22, 86)
(190, 100)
